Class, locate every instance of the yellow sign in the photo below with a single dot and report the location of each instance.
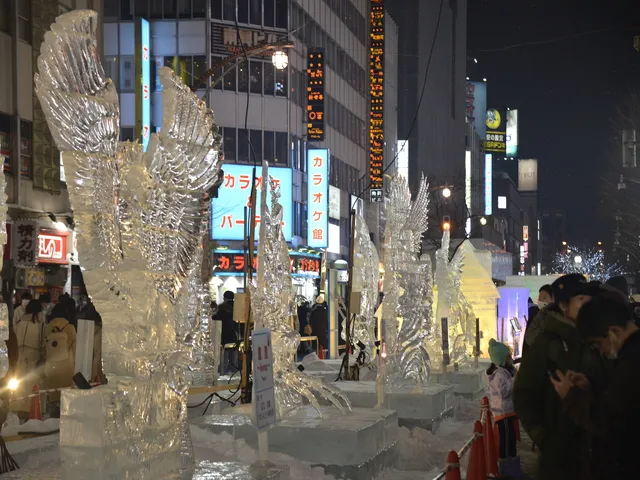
(315, 95)
(376, 94)
(494, 119)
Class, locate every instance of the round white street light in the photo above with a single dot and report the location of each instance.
(578, 259)
(483, 221)
(446, 192)
(280, 59)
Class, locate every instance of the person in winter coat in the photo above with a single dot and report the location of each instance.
(318, 320)
(29, 332)
(537, 318)
(610, 413)
(229, 333)
(500, 378)
(563, 445)
(21, 308)
(60, 351)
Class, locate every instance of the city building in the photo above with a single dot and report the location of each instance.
(553, 232)
(265, 113)
(40, 251)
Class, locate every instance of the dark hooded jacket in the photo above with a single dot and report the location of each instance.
(319, 322)
(229, 327)
(564, 446)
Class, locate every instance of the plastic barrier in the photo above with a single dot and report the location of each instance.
(453, 466)
(477, 469)
(490, 440)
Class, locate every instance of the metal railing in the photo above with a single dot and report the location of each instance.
(465, 448)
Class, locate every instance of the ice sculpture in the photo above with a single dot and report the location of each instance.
(365, 282)
(454, 306)
(407, 302)
(4, 313)
(272, 303)
(139, 221)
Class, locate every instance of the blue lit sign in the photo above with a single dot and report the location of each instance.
(317, 197)
(145, 41)
(488, 184)
(227, 211)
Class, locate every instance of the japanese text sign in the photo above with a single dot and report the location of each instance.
(317, 197)
(143, 83)
(315, 95)
(264, 401)
(237, 262)
(25, 243)
(228, 210)
(376, 93)
(496, 135)
(52, 248)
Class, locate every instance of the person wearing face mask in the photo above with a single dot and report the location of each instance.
(563, 445)
(608, 412)
(538, 315)
(21, 309)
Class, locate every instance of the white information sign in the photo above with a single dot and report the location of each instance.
(264, 401)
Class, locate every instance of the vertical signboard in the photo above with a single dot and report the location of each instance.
(512, 133)
(143, 81)
(488, 184)
(376, 92)
(496, 135)
(25, 243)
(467, 188)
(528, 175)
(315, 95)
(265, 401)
(476, 105)
(317, 197)
(402, 160)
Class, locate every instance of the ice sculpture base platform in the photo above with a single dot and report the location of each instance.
(204, 471)
(424, 409)
(357, 445)
(466, 383)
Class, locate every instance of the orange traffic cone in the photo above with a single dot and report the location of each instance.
(477, 461)
(35, 413)
(453, 462)
(489, 439)
(320, 352)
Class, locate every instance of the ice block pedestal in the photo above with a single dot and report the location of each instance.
(422, 408)
(468, 383)
(357, 446)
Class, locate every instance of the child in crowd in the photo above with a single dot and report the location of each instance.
(500, 378)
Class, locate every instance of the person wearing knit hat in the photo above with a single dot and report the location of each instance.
(500, 378)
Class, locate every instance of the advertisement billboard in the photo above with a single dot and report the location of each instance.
(376, 93)
(317, 197)
(143, 83)
(334, 202)
(228, 210)
(402, 160)
(528, 175)
(315, 95)
(512, 133)
(488, 184)
(496, 136)
(476, 106)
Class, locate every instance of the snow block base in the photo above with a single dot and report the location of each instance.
(424, 409)
(357, 445)
(469, 384)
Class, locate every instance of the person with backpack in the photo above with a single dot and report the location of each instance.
(563, 445)
(60, 352)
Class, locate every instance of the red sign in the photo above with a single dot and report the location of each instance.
(236, 263)
(52, 248)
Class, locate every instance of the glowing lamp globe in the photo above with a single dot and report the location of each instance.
(280, 59)
(446, 192)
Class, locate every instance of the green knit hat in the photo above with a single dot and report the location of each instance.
(498, 352)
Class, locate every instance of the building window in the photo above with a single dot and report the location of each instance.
(229, 144)
(281, 82)
(282, 14)
(281, 148)
(229, 10)
(243, 11)
(256, 146)
(5, 140)
(229, 83)
(269, 13)
(269, 147)
(127, 74)
(169, 9)
(243, 77)
(5, 16)
(216, 9)
(243, 145)
(25, 148)
(255, 12)
(255, 76)
(127, 134)
(24, 21)
(111, 68)
(269, 79)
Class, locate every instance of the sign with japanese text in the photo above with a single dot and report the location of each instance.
(512, 133)
(225, 41)
(496, 135)
(143, 82)
(334, 202)
(34, 277)
(265, 400)
(476, 106)
(25, 243)
(488, 184)
(317, 197)
(315, 95)
(525, 233)
(376, 92)
(237, 262)
(228, 210)
(52, 248)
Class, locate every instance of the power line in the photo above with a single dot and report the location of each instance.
(557, 39)
(415, 117)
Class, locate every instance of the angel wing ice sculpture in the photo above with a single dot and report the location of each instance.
(453, 305)
(272, 303)
(139, 220)
(365, 281)
(406, 283)
(4, 313)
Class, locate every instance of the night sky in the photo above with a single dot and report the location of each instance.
(567, 91)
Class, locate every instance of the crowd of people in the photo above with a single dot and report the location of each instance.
(576, 388)
(42, 347)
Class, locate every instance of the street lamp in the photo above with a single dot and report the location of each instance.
(564, 244)
(577, 259)
(280, 59)
(446, 192)
(483, 221)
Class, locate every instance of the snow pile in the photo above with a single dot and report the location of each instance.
(223, 447)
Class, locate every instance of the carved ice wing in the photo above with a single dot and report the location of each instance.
(79, 101)
(81, 107)
(183, 162)
(418, 220)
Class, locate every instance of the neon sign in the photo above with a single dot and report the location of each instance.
(317, 197)
(143, 85)
(376, 92)
(315, 95)
(52, 248)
